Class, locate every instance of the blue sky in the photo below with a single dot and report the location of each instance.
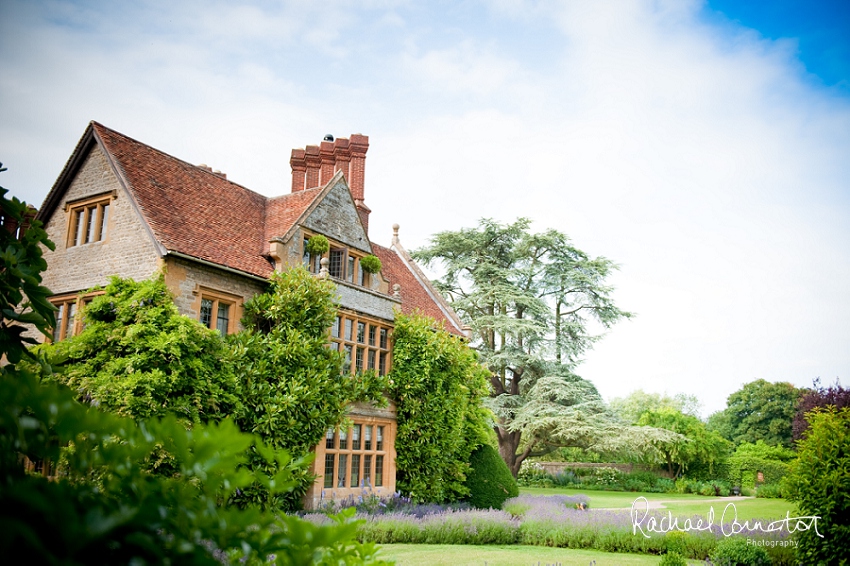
(705, 147)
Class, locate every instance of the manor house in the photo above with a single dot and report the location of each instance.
(120, 207)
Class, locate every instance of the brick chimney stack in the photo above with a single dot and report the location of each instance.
(314, 166)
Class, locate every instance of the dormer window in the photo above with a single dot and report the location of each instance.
(343, 263)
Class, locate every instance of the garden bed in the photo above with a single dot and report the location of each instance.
(555, 521)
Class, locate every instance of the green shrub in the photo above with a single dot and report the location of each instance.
(370, 264)
(673, 559)
(489, 481)
(770, 490)
(138, 357)
(293, 386)
(737, 551)
(438, 388)
(820, 484)
(317, 245)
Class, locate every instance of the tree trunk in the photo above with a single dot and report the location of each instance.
(508, 445)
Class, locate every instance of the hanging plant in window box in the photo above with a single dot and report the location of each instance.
(318, 245)
(370, 264)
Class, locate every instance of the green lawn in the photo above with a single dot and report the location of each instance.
(436, 554)
(681, 504)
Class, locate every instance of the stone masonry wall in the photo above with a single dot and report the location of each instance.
(185, 280)
(336, 218)
(127, 249)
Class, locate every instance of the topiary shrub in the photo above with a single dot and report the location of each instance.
(370, 264)
(489, 481)
(736, 551)
(317, 245)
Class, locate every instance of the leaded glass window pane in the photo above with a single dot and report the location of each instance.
(379, 470)
(349, 275)
(335, 264)
(355, 470)
(104, 220)
(91, 223)
(60, 318)
(355, 437)
(206, 312)
(329, 470)
(341, 470)
(223, 320)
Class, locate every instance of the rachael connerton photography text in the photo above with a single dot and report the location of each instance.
(729, 525)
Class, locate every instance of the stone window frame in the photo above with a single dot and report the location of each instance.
(74, 303)
(365, 341)
(350, 269)
(340, 449)
(234, 302)
(82, 228)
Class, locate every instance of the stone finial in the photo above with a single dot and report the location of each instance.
(397, 291)
(323, 271)
(467, 330)
(395, 233)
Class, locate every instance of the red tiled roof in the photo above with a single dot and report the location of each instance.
(201, 214)
(191, 210)
(282, 212)
(414, 295)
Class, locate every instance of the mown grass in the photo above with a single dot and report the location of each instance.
(680, 504)
(463, 555)
(613, 499)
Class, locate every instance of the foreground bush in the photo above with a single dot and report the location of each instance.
(819, 481)
(104, 506)
(489, 481)
(739, 552)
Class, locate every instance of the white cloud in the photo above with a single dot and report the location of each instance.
(694, 154)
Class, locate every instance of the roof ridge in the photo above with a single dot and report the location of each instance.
(166, 154)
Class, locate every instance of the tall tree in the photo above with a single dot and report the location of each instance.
(760, 410)
(631, 407)
(818, 396)
(699, 449)
(531, 300)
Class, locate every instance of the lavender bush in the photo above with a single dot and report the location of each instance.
(552, 520)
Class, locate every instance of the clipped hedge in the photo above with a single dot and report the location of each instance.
(489, 481)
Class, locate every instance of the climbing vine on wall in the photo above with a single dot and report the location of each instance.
(438, 386)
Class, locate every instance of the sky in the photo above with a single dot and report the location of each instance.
(702, 146)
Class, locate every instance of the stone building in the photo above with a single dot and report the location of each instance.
(120, 207)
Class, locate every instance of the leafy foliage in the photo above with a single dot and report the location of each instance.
(819, 481)
(489, 481)
(835, 395)
(673, 559)
(736, 551)
(293, 386)
(371, 264)
(317, 245)
(437, 385)
(105, 505)
(750, 459)
(697, 448)
(760, 410)
(530, 299)
(138, 357)
(631, 407)
(23, 299)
